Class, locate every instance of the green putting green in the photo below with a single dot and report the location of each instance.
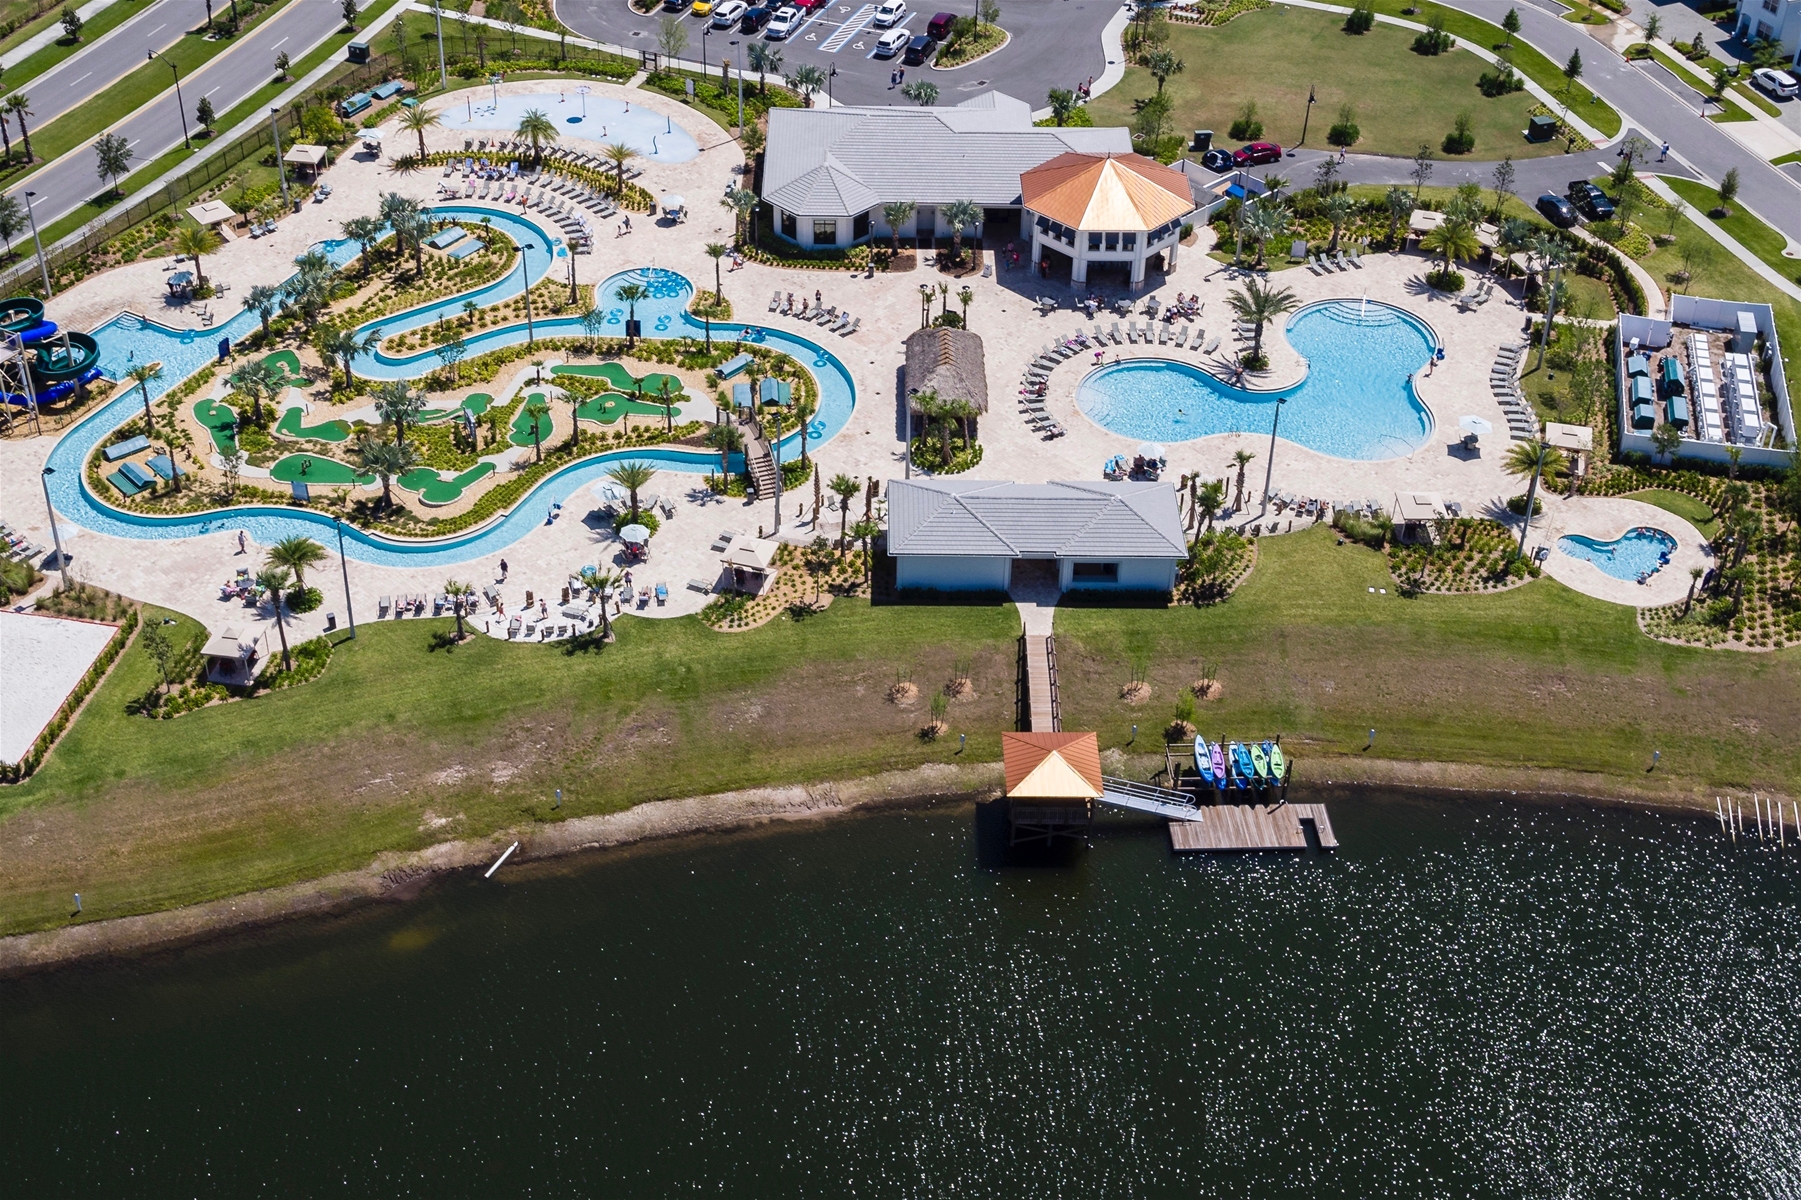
(329, 431)
(221, 422)
(522, 423)
(477, 404)
(610, 406)
(289, 364)
(434, 489)
(621, 380)
(310, 468)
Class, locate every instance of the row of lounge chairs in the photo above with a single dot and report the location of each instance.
(18, 545)
(1321, 263)
(833, 321)
(1484, 292)
(588, 162)
(1504, 381)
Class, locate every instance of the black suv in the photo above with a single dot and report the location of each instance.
(1590, 200)
(754, 19)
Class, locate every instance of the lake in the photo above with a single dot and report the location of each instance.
(1474, 997)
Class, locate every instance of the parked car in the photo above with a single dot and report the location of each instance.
(892, 42)
(1590, 200)
(890, 12)
(727, 13)
(1557, 210)
(1779, 84)
(918, 51)
(674, 5)
(1217, 159)
(1256, 152)
(783, 23)
(702, 8)
(939, 27)
(753, 20)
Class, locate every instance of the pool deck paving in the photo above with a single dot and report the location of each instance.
(184, 574)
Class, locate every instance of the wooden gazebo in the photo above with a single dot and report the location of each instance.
(1053, 780)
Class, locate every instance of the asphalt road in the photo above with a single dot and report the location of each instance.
(1645, 102)
(1055, 43)
(91, 70)
(155, 128)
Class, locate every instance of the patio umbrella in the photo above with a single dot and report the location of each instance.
(636, 535)
(1476, 425)
(672, 201)
(1151, 450)
(606, 489)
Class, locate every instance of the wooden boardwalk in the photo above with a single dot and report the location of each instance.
(1041, 685)
(1229, 827)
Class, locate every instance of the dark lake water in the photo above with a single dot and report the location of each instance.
(1472, 998)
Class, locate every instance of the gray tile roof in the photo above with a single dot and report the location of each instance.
(979, 517)
(858, 157)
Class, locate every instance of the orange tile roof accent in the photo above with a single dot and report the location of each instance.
(1107, 192)
(1024, 753)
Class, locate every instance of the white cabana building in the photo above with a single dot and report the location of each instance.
(1092, 210)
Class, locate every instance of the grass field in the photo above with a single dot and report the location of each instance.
(1274, 55)
(1749, 232)
(404, 741)
(1683, 505)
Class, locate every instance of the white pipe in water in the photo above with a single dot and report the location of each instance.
(501, 859)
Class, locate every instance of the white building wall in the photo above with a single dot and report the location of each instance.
(944, 573)
(1135, 575)
(1779, 20)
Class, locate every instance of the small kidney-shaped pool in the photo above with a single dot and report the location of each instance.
(1357, 400)
(1636, 554)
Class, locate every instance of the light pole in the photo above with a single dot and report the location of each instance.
(524, 270)
(62, 560)
(573, 294)
(704, 34)
(1306, 117)
(583, 91)
(30, 198)
(344, 563)
(275, 124)
(829, 76)
(494, 84)
(179, 106)
(740, 91)
(1269, 470)
(437, 12)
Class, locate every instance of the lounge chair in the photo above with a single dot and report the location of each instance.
(1211, 346)
(854, 326)
(383, 605)
(1181, 337)
(1163, 333)
(1114, 333)
(1356, 259)
(699, 585)
(774, 301)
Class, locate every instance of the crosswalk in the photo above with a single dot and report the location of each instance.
(848, 30)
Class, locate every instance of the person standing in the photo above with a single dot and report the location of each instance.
(503, 570)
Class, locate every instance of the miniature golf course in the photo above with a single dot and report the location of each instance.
(435, 489)
(312, 469)
(327, 431)
(219, 421)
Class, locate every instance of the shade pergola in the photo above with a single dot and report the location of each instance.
(211, 212)
(306, 156)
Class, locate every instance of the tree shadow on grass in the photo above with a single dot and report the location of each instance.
(584, 643)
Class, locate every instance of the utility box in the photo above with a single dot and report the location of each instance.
(357, 52)
(1541, 129)
(1203, 141)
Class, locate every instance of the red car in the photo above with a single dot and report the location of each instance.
(1256, 152)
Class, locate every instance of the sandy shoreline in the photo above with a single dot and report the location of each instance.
(395, 876)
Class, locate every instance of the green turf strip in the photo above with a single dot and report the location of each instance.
(328, 431)
(221, 421)
(310, 468)
(434, 489)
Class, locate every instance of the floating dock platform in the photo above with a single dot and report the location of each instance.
(1245, 827)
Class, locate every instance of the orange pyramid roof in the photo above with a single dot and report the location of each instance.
(1062, 766)
(1107, 192)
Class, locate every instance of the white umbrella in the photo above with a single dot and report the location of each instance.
(1476, 425)
(636, 535)
(1151, 450)
(672, 201)
(606, 489)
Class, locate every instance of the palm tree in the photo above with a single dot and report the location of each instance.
(366, 232)
(742, 202)
(897, 213)
(1337, 209)
(18, 107)
(631, 293)
(296, 552)
(631, 476)
(344, 345)
(386, 461)
(1260, 303)
(144, 374)
(1454, 238)
(960, 213)
(1062, 102)
(1209, 498)
(1265, 222)
(1241, 460)
(763, 59)
(1694, 579)
(1536, 459)
(846, 489)
(537, 410)
(965, 297)
(717, 251)
(618, 154)
(535, 128)
(416, 120)
(400, 406)
(459, 593)
(275, 580)
(194, 241)
(259, 380)
(807, 79)
(1399, 203)
(1161, 64)
(263, 299)
(602, 583)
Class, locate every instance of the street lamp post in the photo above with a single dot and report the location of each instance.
(62, 560)
(704, 34)
(829, 76)
(525, 249)
(1306, 117)
(344, 563)
(1269, 468)
(275, 124)
(180, 107)
(30, 198)
(437, 12)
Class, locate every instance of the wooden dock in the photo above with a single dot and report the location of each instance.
(1247, 827)
(1044, 713)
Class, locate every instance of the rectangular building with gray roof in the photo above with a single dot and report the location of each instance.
(965, 534)
(827, 172)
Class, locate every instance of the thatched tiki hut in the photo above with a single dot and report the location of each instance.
(949, 363)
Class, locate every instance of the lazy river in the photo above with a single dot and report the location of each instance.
(129, 339)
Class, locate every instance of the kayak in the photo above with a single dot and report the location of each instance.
(1242, 767)
(1218, 754)
(1278, 762)
(1259, 760)
(1203, 762)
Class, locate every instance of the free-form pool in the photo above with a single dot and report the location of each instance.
(594, 118)
(1636, 554)
(1357, 400)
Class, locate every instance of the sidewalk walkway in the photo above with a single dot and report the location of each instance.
(1709, 227)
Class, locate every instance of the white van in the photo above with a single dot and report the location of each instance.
(892, 42)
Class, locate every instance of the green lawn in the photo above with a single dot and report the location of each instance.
(1741, 226)
(221, 421)
(1683, 505)
(405, 741)
(435, 489)
(326, 431)
(1274, 55)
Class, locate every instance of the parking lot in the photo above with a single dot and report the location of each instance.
(1055, 43)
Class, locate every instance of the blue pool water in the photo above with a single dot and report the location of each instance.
(652, 135)
(127, 340)
(1356, 402)
(1634, 555)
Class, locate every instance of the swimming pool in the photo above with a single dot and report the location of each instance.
(595, 118)
(1356, 402)
(1636, 554)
